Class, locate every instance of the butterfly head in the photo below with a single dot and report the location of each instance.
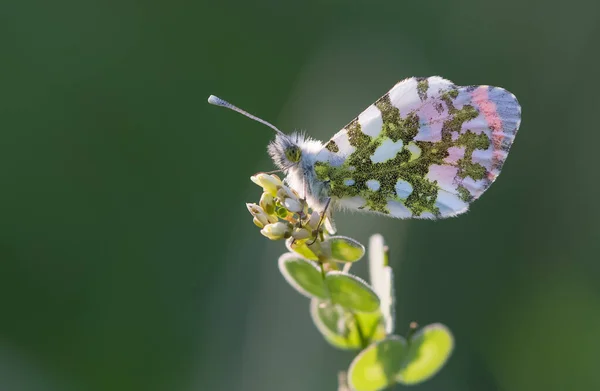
(286, 150)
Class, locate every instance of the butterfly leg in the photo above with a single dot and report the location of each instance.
(282, 170)
(304, 188)
(304, 192)
(274, 172)
(323, 215)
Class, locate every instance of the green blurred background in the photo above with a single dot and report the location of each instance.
(129, 261)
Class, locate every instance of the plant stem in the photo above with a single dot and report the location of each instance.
(323, 275)
(322, 270)
(361, 335)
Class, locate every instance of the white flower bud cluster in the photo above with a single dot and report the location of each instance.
(281, 213)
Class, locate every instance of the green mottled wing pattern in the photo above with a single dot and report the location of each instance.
(426, 149)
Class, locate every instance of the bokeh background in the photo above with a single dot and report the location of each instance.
(128, 260)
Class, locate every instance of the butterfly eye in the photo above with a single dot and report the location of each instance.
(293, 154)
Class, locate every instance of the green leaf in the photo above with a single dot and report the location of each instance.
(428, 351)
(377, 367)
(345, 249)
(311, 252)
(339, 326)
(393, 360)
(351, 292)
(305, 276)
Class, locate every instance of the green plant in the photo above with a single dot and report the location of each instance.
(350, 313)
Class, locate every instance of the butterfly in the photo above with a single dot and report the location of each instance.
(426, 149)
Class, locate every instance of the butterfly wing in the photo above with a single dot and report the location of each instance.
(426, 149)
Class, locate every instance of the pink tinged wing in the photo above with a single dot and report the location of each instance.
(499, 118)
(431, 110)
(445, 175)
(454, 155)
(431, 122)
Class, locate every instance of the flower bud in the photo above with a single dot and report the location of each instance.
(277, 231)
(282, 194)
(270, 183)
(301, 233)
(291, 193)
(257, 222)
(282, 213)
(292, 205)
(267, 202)
(259, 214)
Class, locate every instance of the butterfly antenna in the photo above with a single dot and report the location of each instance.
(214, 100)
